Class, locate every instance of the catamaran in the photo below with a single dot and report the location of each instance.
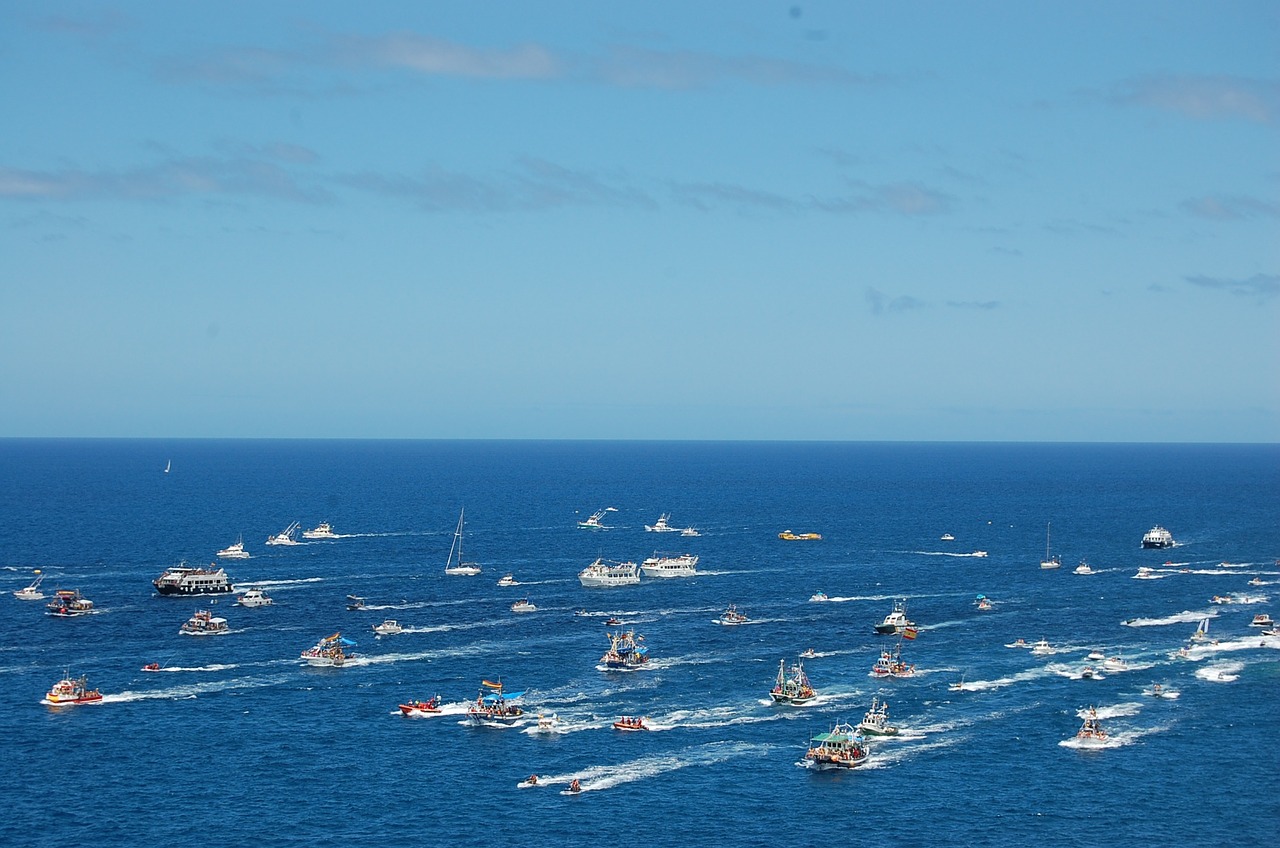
(451, 566)
(793, 688)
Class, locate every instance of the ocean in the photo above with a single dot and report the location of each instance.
(237, 741)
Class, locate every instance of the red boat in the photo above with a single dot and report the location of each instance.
(151, 667)
(71, 691)
(630, 723)
(421, 707)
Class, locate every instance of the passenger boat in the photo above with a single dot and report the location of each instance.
(896, 621)
(732, 617)
(254, 598)
(596, 521)
(32, 592)
(493, 708)
(523, 605)
(320, 531)
(788, 536)
(390, 627)
(421, 708)
(661, 525)
(508, 580)
(666, 565)
(183, 580)
(793, 688)
(1083, 568)
(72, 691)
(458, 567)
(819, 596)
(625, 651)
(234, 551)
(1053, 561)
(890, 664)
(841, 748)
(608, 573)
(1262, 620)
(631, 723)
(876, 721)
(329, 652)
(68, 603)
(204, 623)
(1091, 732)
(285, 536)
(1157, 537)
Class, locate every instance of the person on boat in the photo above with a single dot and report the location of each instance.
(574, 786)
(533, 780)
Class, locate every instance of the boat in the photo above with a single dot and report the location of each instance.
(421, 708)
(625, 651)
(523, 605)
(840, 748)
(608, 573)
(1146, 573)
(321, 531)
(204, 623)
(667, 565)
(72, 691)
(508, 580)
(947, 537)
(890, 664)
(493, 708)
(329, 652)
(1257, 581)
(958, 686)
(574, 787)
(631, 723)
(896, 621)
(1157, 691)
(690, 531)
(793, 688)
(876, 721)
(1262, 620)
(68, 603)
(731, 616)
(31, 592)
(1201, 633)
(547, 723)
(254, 598)
(168, 464)
(1042, 648)
(152, 666)
(788, 536)
(184, 580)
(1097, 656)
(819, 596)
(978, 554)
(234, 551)
(1054, 561)
(596, 521)
(1091, 731)
(661, 525)
(465, 569)
(1087, 673)
(1157, 537)
(390, 627)
(355, 602)
(1115, 664)
(613, 621)
(808, 654)
(1083, 568)
(984, 603)
(285, 536)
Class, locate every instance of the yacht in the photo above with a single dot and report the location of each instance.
(254, 598)
(596, 521)
(690, 531)
(67, 603)
(625, 651)
(458, 567)
(1083, 568)
(1262, 620)
(508, 580)
(183, 580)
(896, 621)
(390, 627)
(603, 573)
(321, 531)
(1157, 537)
(523, 605)
(329, 652)
(72, 691)
(876, 721)
(666, 565)
(661, 525)
(841, 748)
(32, 592)
(285, 536)
(234, 551)
(731, 616)
(1054, 561)
(793, 688)
(203, 623)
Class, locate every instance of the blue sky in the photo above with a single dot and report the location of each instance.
(937, 221)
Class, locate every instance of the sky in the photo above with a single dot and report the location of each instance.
(989, 221)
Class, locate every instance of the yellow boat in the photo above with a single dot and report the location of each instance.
(794, 537)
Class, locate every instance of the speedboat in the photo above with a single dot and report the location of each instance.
(285, 536)
(1097, 656)
(355, 602)
(508, 580)
(152, 666)
(72, 691)
(493, 708)
(876, 721)
(608, 573)
(808, 654)
(329, 652)
(523, 605)
(1091, 732)
(625, 651)
(1146, 573)
(321, 531)
(819, 596)
(1262, 620)
(1157, 691)
(390, 627)
(234, 551)
(661, 525)
(1042, 648)
(947, 537)
(67, 603)
(32, 592)
(1157, 537)
(1115, 664)
(631, 723)
(204, 623)
(896, 621)
(1087, 673)
(421, 708)
(667, 565)
(841, 748)
(1083, 568)
(254, 598)
(458, 567)
(793, 688)
(731, 616)
(596, 521)
(788, 536)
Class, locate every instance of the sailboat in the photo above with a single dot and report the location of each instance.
(1202, 631)
(467, 569)
(1054, 561)
(167, 465)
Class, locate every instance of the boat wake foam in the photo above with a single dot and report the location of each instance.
(1224, 672)
(603, 777)
(1184, 617)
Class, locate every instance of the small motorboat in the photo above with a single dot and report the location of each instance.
(151, 667)
(819, 596)
(731, 616)
(548, 723)
(631, 723)
(508, 580)
(355, 602)
(254, 598)
(390, 627)
(574, 786)
(613, 621)
(947, 537)
(1042, 648)
(1262, 620)
(1087, 673)
(418, 708)
(523, 605)
(808, 654)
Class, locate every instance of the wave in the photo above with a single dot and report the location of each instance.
(275, 584)
(1223, 672)
(1184, 617)
(604, 777)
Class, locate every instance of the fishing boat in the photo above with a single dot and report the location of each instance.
(896, 621)
(631, 723)
(841, 748)
(390, 627)
(31, 592)
(329, 652)
(1091, 732)
(285, 536)
(1053, 561)
(661, 525)
(1262, 620)
(625, 651)
(421, 708)
(732, 617)
(254, 598)
(320, 531)
(184, 580)
(891, 664)
(234, 551)
(523, 605)
(72, 691)
(68, 603)
(608, 573)
(1157, 537)
(690, 531)
(1083, 568)
(204, 623)
(458, 567)
(789, 536)
(669, 565)
(596, 521)
(793, 688)
(508, 580)
(876, 721)
(493, 708)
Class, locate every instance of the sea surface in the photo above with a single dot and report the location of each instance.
(238, 742)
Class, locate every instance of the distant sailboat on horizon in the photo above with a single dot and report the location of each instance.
(167, 465)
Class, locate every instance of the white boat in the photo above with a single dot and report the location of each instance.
(1087, 673)
(322, 531)
(390, 627)
(234, 551)
(168, 463)
(984, 603)
(452, 566)
(1262, 620)
(661, 525)
(596, 521)
(1202, 631)
(32, 592)
(548, 723)
(896, 621)
(1091, 732)
(608, 573)
(876, 721)
(690, 531)
(667, 565)
(1146, 573)
(947, 537)
(978, 554)
(329, 652)
(1097, 656)
(204, 623)
(285, 536)
(732, 617)
(1083, 568)
(1042, 648)
(1115, 664)
(523, 605)
(1157, 537)
(793, 688)
(819, 597)
(1054, 561)
(254, 598)
(508, 580)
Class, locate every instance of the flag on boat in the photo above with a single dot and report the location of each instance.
(909, 633)
(490, 684)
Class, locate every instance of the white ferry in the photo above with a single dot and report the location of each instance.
(665, 565)
(182, 580)
(203, 623)
(607, 573)
(1157, 537)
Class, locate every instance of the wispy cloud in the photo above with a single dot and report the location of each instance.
(1230, 207)
(1203, 97)
(974, 304)
(1262, 286)
(637, 67)
(903, 198)
(880, 303)
(438, 57)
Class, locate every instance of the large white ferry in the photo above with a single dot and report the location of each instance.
(666, 565)
(604, 572)
(182, 580)
(1157, 537)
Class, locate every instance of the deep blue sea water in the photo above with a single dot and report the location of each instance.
(246, 744)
